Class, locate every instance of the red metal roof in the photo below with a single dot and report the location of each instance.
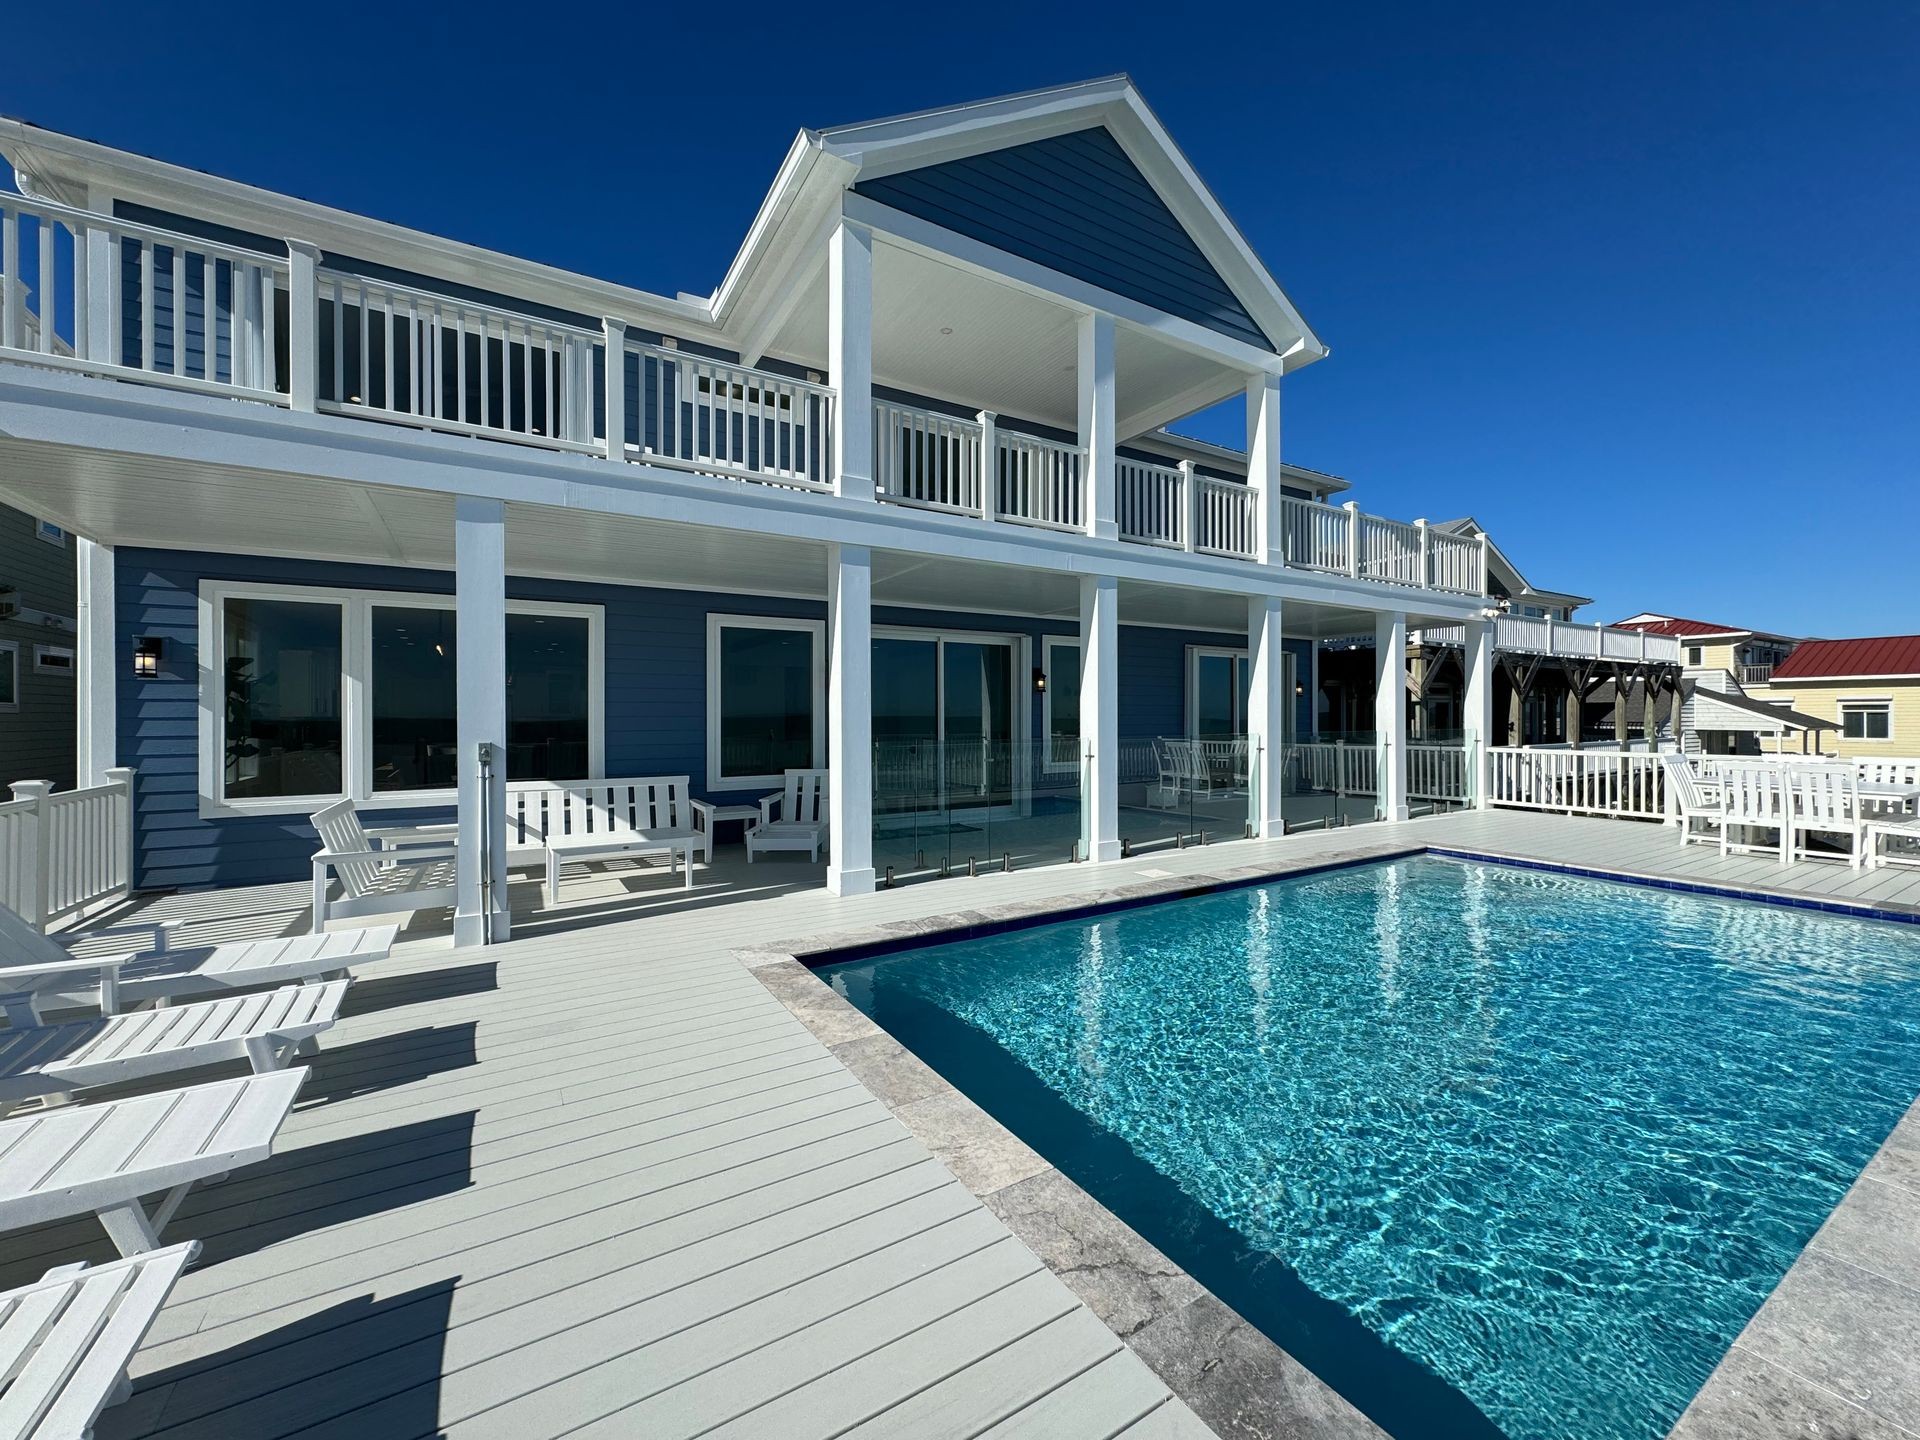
(1841, 659)
(1670, 625)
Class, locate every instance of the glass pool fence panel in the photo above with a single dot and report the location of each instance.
(1330, 780)
(945, 808)
(1177, 791)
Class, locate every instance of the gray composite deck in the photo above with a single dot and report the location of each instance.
(599, 1180)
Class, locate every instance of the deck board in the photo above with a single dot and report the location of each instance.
(599, 1180)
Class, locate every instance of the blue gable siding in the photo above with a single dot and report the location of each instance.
(1077, 204)
(655, 687)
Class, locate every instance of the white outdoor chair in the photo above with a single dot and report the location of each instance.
(50, 1062)
(104, 1158)
(1892, 840)
(1690, 801)
(37, 974)
(376, 879)
(1754, 797)
(1825, 800)
(803, 823)
(67, 1340)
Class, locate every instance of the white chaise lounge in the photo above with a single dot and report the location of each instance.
(38, 974)
(103, 1158)
(66, 1340)
(375, 878)
(266, 1030)
(802, 823)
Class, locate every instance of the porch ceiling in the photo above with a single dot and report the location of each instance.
(123, 499)
(1007, 350)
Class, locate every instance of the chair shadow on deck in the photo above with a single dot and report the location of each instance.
(362, 1067)
(419, 987)
(371, 1366)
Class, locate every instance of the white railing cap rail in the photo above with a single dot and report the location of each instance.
(694, 357)
(486, 311)
(134, 229)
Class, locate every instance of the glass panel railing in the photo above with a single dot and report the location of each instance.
(944, 809)
(1330, 780)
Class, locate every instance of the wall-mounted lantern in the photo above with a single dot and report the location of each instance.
(147, 651)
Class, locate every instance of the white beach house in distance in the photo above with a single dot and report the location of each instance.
(372, 515)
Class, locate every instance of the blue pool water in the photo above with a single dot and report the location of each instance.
(1496, 1152)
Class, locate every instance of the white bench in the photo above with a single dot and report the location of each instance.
(66, 1340)
(600, 819)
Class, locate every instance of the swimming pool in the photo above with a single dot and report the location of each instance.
(1494, 1151)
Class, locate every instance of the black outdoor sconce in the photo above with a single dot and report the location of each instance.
(146, 656)
(1039, 681)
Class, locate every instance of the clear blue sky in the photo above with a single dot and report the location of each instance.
(1639, 287)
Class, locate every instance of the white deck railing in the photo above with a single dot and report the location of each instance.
(89, 292)
(1563, 639)
(718, 418)
(452, 365)
(1628, 784)
(109, 296)
(1434, 772)
(61, 854)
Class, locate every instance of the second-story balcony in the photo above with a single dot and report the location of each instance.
(108, 296)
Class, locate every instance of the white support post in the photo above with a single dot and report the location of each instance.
(850, 357)
(1190, 506)
(122, 775)
(480, 630)
(1267, 705)
(1097, 423)
(989, 465)
(1390, 712)
(1352, 507)
(850, 720)
(1263, 465)
(94, 667)
(1100, 713)
(614, 388)
(39, 863)
(303, 325)
(103, 320)
(1478, 660)
(1426, 555)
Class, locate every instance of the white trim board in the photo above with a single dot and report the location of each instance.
(716, 622)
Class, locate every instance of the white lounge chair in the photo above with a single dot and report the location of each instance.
(37, 974)
(1825, 800)
(266, 1030)
(104, 1158)
(376, 879)
(1690, 801)
(66, 1340)
(803, 824)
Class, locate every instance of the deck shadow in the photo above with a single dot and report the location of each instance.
(387, 992)
(364, 1067)
(365, 1352)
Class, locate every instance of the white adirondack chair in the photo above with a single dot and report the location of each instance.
(374, 879)
(67, 1340)
(266, 1030)
(1754, 797)
(104, 1158)
(1690, 801)
(1825, 800)
(802, 803)
(37, 974)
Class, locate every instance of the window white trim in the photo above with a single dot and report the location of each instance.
(1865, 705)
(61, 655)
(1049, 762)
(51, 533)
(356, 711)
(1195, 654)
(10, 663)
(715, 624)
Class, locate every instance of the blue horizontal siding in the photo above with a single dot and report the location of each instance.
(655, 692)
(1077, 204)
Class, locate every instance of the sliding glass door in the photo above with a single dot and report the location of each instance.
(943, 721)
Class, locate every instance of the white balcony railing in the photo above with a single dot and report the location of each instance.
(108, 296)
(1564, 640)
(61, 854)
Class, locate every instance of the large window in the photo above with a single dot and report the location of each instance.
(280, 668)
(9, 676)
(335, 693)
(1866, 719)
(766, 700)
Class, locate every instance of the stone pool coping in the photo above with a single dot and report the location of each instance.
(1829, 1356)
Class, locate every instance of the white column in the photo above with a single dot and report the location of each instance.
(102, 324)
(1100, 713)
(303, 325)
(850, 719)
(1263, 464)
(480, 631)
(1267, 703)
(1097, 421)
(613, 384)
(95, 658)
(1478, 707)
(1390, 712)
(850, 357)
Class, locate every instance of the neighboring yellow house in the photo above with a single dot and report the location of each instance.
(1747, 655)
(1869, 687)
